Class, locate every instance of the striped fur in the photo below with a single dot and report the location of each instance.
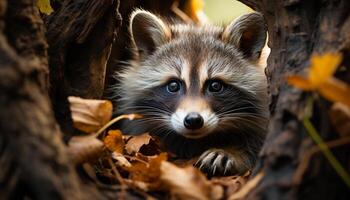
(235, 119)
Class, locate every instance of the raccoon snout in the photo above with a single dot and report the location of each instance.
(193, 121)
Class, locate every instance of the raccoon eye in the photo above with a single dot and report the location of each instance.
(173, 86)
(215, 86)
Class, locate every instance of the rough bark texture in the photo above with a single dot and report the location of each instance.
(80, 36)
(297, 29)
(33, 160)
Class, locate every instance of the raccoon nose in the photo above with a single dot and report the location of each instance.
(193, 121)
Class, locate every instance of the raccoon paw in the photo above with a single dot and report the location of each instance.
(216, 162)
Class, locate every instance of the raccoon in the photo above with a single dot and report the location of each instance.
(199, 89)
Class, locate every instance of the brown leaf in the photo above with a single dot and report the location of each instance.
(188, 183)
(136, 142)
(90, 115)
(84, 149)
(243, 192)
(114, 141)
(231, 184)
(340, 119)
(121, 160)
(148, 171)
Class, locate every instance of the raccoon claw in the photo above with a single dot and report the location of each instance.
(217, 163)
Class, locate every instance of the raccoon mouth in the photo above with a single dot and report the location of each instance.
(195, 134)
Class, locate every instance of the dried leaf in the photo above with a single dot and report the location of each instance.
(90, 115)
(320, 79)
(187, 183)
(114, 141)
(84, 149)
(149, 171)
(300, 82)
(121, 160)
(231, 184)
(340, 119)
(323, 67)
(247, 187)
(336, 91)
(44, 6)
(136, 142)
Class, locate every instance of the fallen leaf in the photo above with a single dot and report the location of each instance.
(121, 160)
(231, 184)
(243, 192)
(136, 142)
(340, 119)
(44, 6)
(149, 171)
(84, 149)
(90, 115)
(187, 183)
(114, 141)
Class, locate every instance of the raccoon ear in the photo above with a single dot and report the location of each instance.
(148, 31)
(248, 34)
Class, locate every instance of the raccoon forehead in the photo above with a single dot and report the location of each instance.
(151, 73)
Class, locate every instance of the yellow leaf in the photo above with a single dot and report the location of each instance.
(335, 90)
(300, 82)
(44, 6)
(323, 67)
(114, 141)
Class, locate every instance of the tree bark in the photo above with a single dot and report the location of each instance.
(297, 29)
(80, 36)
(33, 160)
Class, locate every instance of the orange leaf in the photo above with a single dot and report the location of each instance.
(114, 141)
(300, 82)
(194, 9)
(323, 67)
(335, 90)
(148, 173)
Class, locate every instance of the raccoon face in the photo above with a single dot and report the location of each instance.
(196, 81)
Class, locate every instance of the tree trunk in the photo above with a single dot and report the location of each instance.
(33, 160)
(297, 29)
(80, 36)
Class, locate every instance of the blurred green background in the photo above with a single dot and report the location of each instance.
(224, 11)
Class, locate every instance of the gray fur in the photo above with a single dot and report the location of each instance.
(231, 148)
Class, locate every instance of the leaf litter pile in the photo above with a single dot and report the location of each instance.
(139, 163)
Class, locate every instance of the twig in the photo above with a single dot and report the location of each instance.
(130, 117)
(308, 155)
(119, 177)
(325, 150)
(180, 13)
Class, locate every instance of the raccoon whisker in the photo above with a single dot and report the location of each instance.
(234, 110)
(247, 116)
(242, 121)
(148, 109)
